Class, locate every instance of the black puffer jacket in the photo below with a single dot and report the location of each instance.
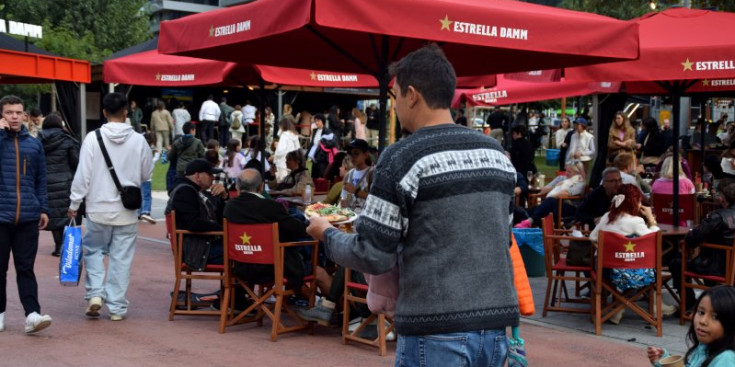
(62, 157)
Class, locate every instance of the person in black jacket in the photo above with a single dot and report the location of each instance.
(521, 152)
(193, 212)
(62, 157)
(322, 142)
(250, 207)
(654, 142)
(597, 203)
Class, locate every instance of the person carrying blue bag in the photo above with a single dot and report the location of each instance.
(23, 210)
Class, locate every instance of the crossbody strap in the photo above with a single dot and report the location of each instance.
(110, 167)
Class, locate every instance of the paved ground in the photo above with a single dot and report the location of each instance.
(147, 338)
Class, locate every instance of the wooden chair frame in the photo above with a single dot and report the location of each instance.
(262, 292)
(693, 280)
(182, 272)
(350, 299)
(603, 312)
(557, 268)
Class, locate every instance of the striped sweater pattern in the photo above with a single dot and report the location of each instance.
(439, 208)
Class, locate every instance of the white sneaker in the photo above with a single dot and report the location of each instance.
(148, 218)
(114, 317)
(36, 322)
(617, 317)
(94, 306)
(2, 321)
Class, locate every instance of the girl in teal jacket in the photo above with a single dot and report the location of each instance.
(712, 334)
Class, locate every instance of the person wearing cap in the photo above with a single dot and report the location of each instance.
(111, 228)
(582, 145)
(199, 203)
(357, 182)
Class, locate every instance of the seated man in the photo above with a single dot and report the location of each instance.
(625, 162)
(197, 209)
(570, 184)
(597, 203)
(717, 228)
(250, 207)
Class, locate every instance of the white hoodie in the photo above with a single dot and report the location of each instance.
(131, 157)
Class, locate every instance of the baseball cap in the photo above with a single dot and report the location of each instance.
(581, 120)
(200, 165)
(358, 144)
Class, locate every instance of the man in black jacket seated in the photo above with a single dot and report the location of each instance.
(198, 210)
(597, 203)
(252, 208)
(717, 228)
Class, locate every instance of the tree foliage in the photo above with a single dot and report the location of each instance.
(83, 29)
(629, 9)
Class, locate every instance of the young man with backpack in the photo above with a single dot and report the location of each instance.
(186, 149)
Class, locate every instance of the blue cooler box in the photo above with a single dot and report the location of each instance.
(552, 157)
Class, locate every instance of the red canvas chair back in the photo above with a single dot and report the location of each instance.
(621, 252)
(170, 230)
(663, 208)
(234, 194)
(252, 243)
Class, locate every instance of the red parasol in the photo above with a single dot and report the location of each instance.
(478, 36)
(510, 91)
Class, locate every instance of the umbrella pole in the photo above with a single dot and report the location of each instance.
(261, 127)
(676, 95)
(701, 138)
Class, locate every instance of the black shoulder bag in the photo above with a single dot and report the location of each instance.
(130, 195)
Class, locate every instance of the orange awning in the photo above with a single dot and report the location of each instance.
(24, 67)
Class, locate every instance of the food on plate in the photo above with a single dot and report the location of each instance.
(332, 213)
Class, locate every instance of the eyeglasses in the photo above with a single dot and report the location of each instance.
(392, 93)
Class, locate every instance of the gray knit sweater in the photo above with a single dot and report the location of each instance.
(439, 206)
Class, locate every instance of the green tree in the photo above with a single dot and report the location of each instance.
(629, 9)
(84, 29)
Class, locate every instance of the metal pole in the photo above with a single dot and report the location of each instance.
(676, 114)
(83, 108)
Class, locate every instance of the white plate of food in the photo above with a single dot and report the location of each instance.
(334, 214)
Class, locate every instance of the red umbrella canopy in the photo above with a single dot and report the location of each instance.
(151, 68)
(675, 44)
(510, 91)
(478, 36)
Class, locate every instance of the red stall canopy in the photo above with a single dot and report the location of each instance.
(24, 67)
(510, 91)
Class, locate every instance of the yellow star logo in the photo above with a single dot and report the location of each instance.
(211, 31)
(245, 239)
(705, 83)
(629, 247)
(445, 23)
(158, 76)
(687, 65)
(313, 75)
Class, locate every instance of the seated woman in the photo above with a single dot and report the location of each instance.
(682, 160)
(335, 192)
(665, 183)
(570, 184)
(624, 219)
(295, 182)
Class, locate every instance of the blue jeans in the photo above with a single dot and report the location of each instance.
(486, 348)
(145, 189)
(119, 243)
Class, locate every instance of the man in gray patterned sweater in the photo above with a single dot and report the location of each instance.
(440, 209)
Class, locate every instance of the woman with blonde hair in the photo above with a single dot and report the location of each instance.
(621, 138)
(665, 183)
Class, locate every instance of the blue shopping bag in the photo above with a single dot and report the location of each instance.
(70, 262)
